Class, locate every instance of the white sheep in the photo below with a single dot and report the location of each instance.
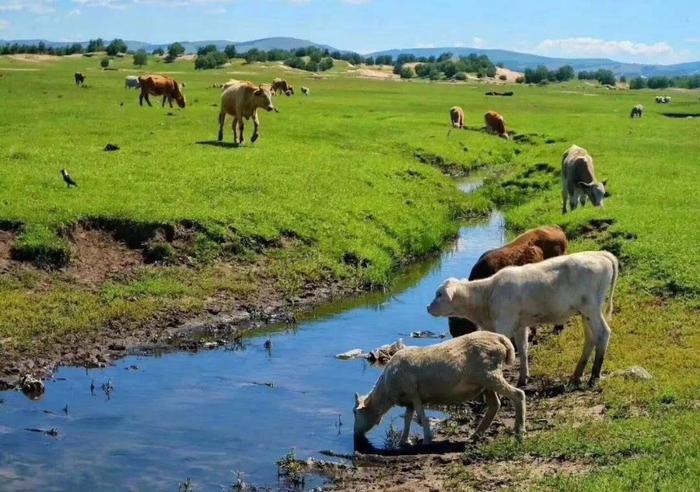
(451, 372)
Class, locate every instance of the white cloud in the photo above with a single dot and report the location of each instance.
(41, 7)
(477, 42)
(356, 2)
(4, 24)
(73, 13)
(622, 50)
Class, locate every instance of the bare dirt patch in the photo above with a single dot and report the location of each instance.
(7, 239)
(375, 74)
(510, 75)
(99, 257)
(31, 58)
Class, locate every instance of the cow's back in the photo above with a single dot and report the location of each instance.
(577, 166)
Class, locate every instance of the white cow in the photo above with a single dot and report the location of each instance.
(131, 82)
(578, 179)
(550, 291)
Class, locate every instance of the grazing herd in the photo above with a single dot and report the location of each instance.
(530, 281)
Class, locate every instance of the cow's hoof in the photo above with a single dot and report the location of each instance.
(254, 138)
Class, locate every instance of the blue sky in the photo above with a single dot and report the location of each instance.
(652, 31)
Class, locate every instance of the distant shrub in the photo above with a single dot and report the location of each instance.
(520, 79)
(158, 52)
(502, 77)
(461, 76)
(406, 72)
(209, 60)
(140, 58)
(105, 62)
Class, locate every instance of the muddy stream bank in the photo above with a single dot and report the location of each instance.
(150, 422)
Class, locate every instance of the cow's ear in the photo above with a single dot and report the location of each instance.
(585, 185)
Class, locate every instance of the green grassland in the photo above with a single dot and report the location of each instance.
(357, 176)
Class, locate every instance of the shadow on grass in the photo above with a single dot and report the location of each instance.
(216, 143)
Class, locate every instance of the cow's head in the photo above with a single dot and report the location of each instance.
(290, 91)
(263, 99)
(179, 96)
(365, 416)
(442, 303)
(595, 191)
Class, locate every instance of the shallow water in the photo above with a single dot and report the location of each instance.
(207, 415)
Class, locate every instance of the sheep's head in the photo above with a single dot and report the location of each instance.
(365, 417)
(442, 303)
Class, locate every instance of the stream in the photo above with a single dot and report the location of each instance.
(151, 422)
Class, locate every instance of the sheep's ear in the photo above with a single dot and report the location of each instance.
(450, 292)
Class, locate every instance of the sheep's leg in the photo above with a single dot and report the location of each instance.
(564, 196)
(601, 346)
(407, 419)
(588, 345)
(521, 344)
(493, 404)
(498, 384)
(427, 434)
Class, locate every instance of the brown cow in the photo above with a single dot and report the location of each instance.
(496, 124)
(457, 117)
(79, 78)
(530, 247)
(280, 86)
(242, 100)
(159, 85)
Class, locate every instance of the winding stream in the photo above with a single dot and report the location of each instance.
(206, 415)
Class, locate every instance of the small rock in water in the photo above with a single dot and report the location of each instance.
(352, 354)
(636, 373)
(426, 334)
(31, 386)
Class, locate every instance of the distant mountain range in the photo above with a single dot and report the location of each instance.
(510, 59)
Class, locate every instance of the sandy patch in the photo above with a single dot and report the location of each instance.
(511, 75)
(29, 58)
(14, 69)
(375, 74)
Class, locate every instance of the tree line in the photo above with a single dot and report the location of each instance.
(663, 82)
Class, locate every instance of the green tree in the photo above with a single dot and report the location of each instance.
(203, 50)
(175, 50)
(565, 73)
(95, 45)
(158, 52)
(105, 62)
(116, 46)
(325, 64)
(638, 83)
(230, 51)
(140, 58)
(406, 72)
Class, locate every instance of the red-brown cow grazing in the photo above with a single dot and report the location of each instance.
(457, 117)
(496, 124)
(158, 85)
(280, 86)
(530, 247)
(79, 78)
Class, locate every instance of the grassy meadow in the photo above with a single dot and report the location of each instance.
(348, 184)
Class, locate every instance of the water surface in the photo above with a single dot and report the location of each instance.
(207, 415)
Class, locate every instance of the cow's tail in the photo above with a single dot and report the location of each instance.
(613, 282)
(510, 350)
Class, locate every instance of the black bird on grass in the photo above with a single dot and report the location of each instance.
(67, 178)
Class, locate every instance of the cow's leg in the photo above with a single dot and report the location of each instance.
(520, 337)
(222, 120)
(582, 199)
(427, 434)
(141, 99)
(573, 199)
(588, 345)
(148, 100)
(241, 128)
(601, 330)
(170, 101)
(163, 104)
(234, 125)
(256, 130)
(407, 419)
(498, 384)
(493, 404)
